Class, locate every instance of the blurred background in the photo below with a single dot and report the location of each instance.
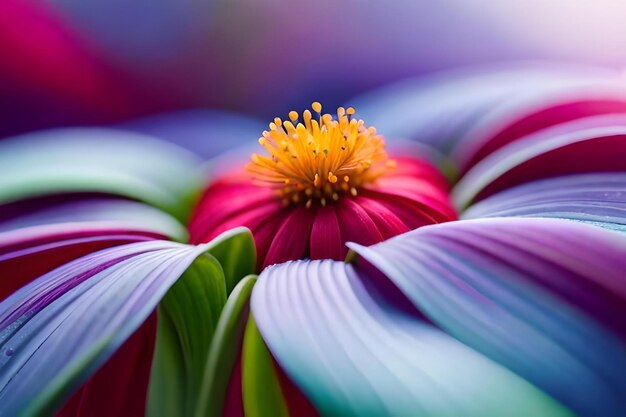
(80, 62)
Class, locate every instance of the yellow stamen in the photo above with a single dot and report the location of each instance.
(307, 159)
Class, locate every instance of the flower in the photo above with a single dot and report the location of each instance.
(325, 181)
(107, 313)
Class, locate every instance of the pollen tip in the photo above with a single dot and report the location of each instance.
(317, 161)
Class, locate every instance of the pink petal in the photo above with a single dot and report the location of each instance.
(225, 199)
(326, 240)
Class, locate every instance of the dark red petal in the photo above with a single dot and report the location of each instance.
(120, 386)
(264, 234)
(411, 213)
(356, 225)
(326, 240)
(540, 119)
(386, 221)
(411, 195)
(297, 404)
(292, 239)
(20, 267)
(600, 155)
(430, 198)
(233, 404)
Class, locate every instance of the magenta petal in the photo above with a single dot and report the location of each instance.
(292, 239)
(537, 119)
(326, 240)
(21, 267)
(223, 201)
(386, 221)
(590, 145)
(356, 225)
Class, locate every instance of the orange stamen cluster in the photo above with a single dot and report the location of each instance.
(318, 159)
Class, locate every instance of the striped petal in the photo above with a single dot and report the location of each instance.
(530, 294)
(586, 145)
(57, 330)
(353, 353)
(40, 240)
(597, 199)
(89, 216)
(463, 109)
(98, 161)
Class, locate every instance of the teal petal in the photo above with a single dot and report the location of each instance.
(99, 161)
(353, 353)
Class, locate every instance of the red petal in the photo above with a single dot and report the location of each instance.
(326, 240)
(538, 120)
(233, 404)
(223, 200)
(292, 239)
(386, 221)
(297, 404)
(19, 268)
(419, 169)
(411, 213)
(120, 386)
(356, 225)
(601, 154)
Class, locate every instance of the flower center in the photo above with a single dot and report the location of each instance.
(319, 159)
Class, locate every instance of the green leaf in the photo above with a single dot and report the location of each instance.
(188, 316)
(237, 255)
(262, 396)
(225, 349)
(194, 334)
(93, 305)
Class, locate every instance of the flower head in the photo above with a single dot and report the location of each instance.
(325, 180)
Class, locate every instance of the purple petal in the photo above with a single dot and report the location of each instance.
(588, 145)
(528, 293)
(597, 199)
(60, 328)
(353, 353)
